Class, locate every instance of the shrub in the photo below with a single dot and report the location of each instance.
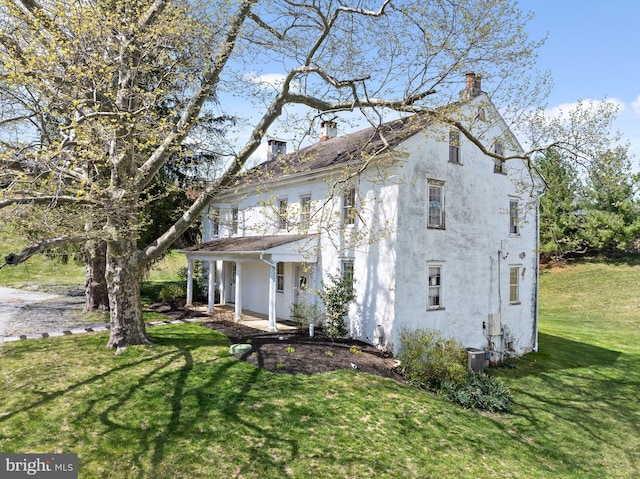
(480, 391)
(303, 314)
(428, 359)
(200, 280)
(172, 294)
(336, 297)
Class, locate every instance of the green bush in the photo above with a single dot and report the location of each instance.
(200, 280)
(428, 359)
(336, 296)
(173, 295)
(303, 314)
(479, 391)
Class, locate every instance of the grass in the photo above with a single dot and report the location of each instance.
(184, 408)
(41, 270)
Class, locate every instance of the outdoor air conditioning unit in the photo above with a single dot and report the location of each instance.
(495, 324)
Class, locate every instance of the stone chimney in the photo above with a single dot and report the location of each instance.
(328, 130)
(473, 86)
(276, 148)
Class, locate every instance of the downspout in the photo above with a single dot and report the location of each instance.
(273, 325)
(536, 297)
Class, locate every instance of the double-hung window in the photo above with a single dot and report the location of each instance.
(305, 212)
(349, 206)
(234, 220)
(435, 202)
(514, 224)
(454, 146)
(282, 214)
(280, 277)
(434, 288)
(498, 164)
(347, 271)
(214, 215)
(514, 284)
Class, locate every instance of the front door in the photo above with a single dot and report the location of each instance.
(231, 282)
(301, 284)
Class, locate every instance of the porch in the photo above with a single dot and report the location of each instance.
(257, 277)
(252, 319)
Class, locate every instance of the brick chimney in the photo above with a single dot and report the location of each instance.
(328, 130)
(473, 86)
(276, 148)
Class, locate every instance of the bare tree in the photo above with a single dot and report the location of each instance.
(96, 96)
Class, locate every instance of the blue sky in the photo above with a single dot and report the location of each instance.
(592, 53)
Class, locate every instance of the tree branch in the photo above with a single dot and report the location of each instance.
(14, 259)
(151, 167)
(40, 200)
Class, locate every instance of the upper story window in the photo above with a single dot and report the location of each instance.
(514, 224)
(215, 222)
(498, 165)
(349, 206)
(305, 212)
(283, 205)
(454, 146)
(435, 202)
(234, 220)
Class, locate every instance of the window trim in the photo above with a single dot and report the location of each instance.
(214, 216)
(347, 269)
(280, 277)
(436, 184)
(349, 207)
(514, 287)
(305, 213)
(454, 146)
(283, 207)
(498, 165)
(514, 221)
(235, 220)
(439, 265)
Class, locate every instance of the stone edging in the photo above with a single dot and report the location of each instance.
(98, 328)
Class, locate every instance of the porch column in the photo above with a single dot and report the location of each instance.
(211, 291)
(238, 313)
(273, 326)
(189, 282)
(223, 283)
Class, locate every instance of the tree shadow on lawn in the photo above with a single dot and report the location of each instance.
(202, 401)
(558, 353)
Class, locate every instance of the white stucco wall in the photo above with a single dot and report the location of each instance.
(391, 256)
(476, 230)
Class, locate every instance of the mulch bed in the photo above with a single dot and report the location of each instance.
(293, 352)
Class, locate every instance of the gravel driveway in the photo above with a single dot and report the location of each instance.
(32, 312)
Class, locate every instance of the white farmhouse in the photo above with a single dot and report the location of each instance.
(435, 233)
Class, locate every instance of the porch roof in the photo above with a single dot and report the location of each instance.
(298, 248)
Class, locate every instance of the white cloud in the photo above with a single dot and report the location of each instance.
(560, 111)
(269, 80)
(636, 105)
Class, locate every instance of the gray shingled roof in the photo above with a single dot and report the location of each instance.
(246, 244)
(339, 150)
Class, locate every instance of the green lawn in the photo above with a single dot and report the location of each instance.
(185, 409)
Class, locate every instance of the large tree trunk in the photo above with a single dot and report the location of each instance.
(123, 285)
(94, 254)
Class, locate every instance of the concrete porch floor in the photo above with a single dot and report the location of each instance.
(225, 312)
